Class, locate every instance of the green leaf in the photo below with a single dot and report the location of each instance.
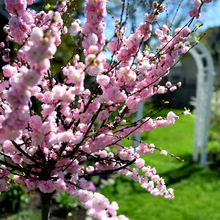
(146, 48)
(166, 102)
(196, 26)
(196, 39)
(158, 48)
(47, 7)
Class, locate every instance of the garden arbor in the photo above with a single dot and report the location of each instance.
(204, 89)
(205, 73)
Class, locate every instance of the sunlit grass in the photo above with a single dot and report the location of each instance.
(196, 190)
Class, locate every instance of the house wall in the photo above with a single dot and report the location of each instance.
(184, 72)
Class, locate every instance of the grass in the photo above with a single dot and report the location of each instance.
(26, 215)
(196, 190)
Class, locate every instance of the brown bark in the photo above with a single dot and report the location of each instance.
(45, 205)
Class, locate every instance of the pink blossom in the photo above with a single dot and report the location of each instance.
(85, 118)
(104, 114)
(148, 124)
(173, 88)
(150, 17)
(9, 70)
(114, 94)
(9, 148)
(162, 90)
(148, 186)
(197, 3)
(171, 117)
(16, 6)
(103, 80)
(31, 184)
(84, 196)
(145, 30)
(37, 138)
(3, 185)
(103, 99)
(164, 152)
(17, 119)
(58, 92)
(46, 186)
(168, 84)
(132, 103)
(158, 32)
(47, 97)
(75, 27)
(103, 154)
(179, 84)
(113, 45)
(65, 30)
(186, 112)
(8, 134)
(185, 32)
(2, 44)
(144, 66)
(123, 54)
(145, 148)
(90, 169)
(61, 185)
(16, 158)
(140, 162)
(35, 122)
(27, 17)
(56, 133)
(194, 13)
(100, 202)
(133, 41)
(78, 136)
(66, 136)
(32, 78)
(37, 34)
(155, 178)
(5, 58)
(165, 28)
(169, 194)
(154, 192)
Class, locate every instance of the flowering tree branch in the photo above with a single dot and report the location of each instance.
(72, 137)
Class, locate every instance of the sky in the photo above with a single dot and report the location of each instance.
(211, 18)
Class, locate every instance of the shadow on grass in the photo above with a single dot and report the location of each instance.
(184, 172)
(214, 160)
(173, 176)
(190, 168)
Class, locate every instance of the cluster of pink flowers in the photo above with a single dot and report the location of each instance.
(21, 20)
(70, 139)
(99, 206)
(195, 12)
(94, 39)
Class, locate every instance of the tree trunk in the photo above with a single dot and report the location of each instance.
(45, 205)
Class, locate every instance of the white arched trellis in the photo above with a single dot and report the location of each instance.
(204, 88)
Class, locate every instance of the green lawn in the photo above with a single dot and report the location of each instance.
(197, 192)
